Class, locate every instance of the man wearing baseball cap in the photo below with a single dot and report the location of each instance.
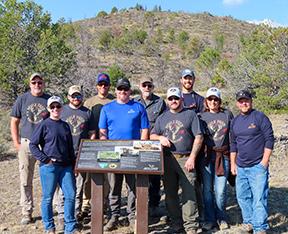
(191, 99)
(123, 119)
(79, 119)
(180, 133)
(154, 106)
(251, 146)
(28, 112)
(95, 104)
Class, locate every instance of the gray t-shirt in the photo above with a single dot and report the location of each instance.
(31, 110)
(180, 128)
(79, 121)
(217, 127)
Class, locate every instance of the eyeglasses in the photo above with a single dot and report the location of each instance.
(123, 89)
(76, 96)
(103, 84)
(147, 85)
(55, 106)
(215, 99)
(36, 82)
(173, 98)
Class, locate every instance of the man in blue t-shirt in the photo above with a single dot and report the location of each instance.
(252, 143)
(27, 113)
(122, 119)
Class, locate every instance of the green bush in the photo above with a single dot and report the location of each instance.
(4, 132)
(102, 14)
(115, 72)
(105, 39)
(114, 10)
(182, 39)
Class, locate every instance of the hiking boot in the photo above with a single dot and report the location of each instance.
(223, 225)
(112, 224)
(26, 219)
(61, 225)
(246, 228)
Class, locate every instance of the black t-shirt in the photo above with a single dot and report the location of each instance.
(180, 128)
(31, 110)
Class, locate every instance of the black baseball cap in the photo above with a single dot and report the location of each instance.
(243, 94)
(123, 82)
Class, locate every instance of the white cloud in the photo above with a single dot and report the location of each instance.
(233, 2)
(267, 22)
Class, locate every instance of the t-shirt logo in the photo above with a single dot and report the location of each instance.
(218, 129)
(131, 111)
(175, 131)
(252, 125)
(77, 123)
(36, 112)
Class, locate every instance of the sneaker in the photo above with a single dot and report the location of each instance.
(261, 232)
(112, 224)
(192, 231)
(61, 225)
(223, 225)
(26, 219)
(165, 219)
(246, 228)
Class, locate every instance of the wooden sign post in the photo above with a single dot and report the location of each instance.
(142, 158)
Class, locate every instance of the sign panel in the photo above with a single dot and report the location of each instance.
(128, 157)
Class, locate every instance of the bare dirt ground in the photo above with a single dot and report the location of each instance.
(10, 212)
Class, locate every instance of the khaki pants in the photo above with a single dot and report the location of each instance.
(26, 171)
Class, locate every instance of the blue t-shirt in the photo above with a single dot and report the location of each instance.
(250, 134)
(193, 101)
(123, 121)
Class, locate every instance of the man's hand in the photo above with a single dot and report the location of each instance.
(190, 164)
(233, 168)
(164, 141)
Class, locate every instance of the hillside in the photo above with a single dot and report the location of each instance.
(173, 41)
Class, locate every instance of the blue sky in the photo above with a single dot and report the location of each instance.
(249, 10)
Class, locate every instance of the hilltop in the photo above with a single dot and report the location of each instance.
(153, 44)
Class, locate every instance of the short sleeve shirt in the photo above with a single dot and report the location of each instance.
(31, 110)
(79, 121)
(180, 128)
(123, 121)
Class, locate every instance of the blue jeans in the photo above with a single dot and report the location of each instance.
(252, 195)
(50, 176)
(214, 191)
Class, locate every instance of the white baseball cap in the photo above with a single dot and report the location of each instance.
(54, 99)
(213, 91)
(174, 91)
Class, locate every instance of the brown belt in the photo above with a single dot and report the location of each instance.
(177, 156)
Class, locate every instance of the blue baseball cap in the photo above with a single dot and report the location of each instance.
(103, 77)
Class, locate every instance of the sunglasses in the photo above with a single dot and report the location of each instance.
(76, 96)
(103, 84)
(123, 89)
(36, 82)
(173, 98)
(147, 85)
(213, 98)
(55, 106)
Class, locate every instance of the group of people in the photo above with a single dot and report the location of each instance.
(203, 144)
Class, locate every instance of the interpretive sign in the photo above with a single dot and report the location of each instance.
(131, 156)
